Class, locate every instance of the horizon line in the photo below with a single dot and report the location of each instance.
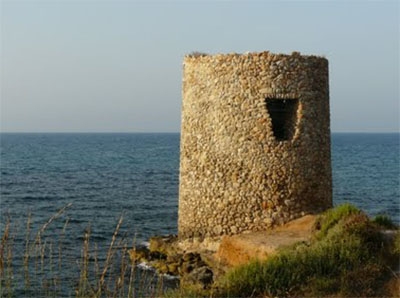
(156, 132)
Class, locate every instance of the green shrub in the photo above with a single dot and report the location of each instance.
(321, 286)
(384, 221)
(331, 217)
(287, 273)
(188, 291)
(363, 281)
(348, 249)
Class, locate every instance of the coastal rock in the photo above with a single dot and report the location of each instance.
(165, 256)
(201, 275)
(163, 244)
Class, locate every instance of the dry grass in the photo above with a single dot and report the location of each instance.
(40, 269)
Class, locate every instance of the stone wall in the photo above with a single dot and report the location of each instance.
(255, 142)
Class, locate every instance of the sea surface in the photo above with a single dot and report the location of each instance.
(136, 176)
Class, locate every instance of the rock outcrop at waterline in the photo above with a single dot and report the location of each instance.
(200, 262)
(166, 257)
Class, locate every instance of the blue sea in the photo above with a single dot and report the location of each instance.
(106, 176)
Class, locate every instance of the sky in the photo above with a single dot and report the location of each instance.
(116, 66)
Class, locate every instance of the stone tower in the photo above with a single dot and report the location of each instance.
(255, 142)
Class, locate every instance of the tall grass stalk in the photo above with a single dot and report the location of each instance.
(131, 288)
(42, 254)
(120, 282)
(83, 287)
(51, 268)
(110, 254)
(26, 253)
(96, 266)
(3, 247)
(6, 257)
(51, 219)
(10, 271)
(27, 281)
(60, 258)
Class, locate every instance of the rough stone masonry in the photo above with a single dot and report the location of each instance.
(255, 142)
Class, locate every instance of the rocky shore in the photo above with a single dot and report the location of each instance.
(166, 256)
(200, 262)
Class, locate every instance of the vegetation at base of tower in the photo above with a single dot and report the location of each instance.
(332, 216)
(348, 257)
